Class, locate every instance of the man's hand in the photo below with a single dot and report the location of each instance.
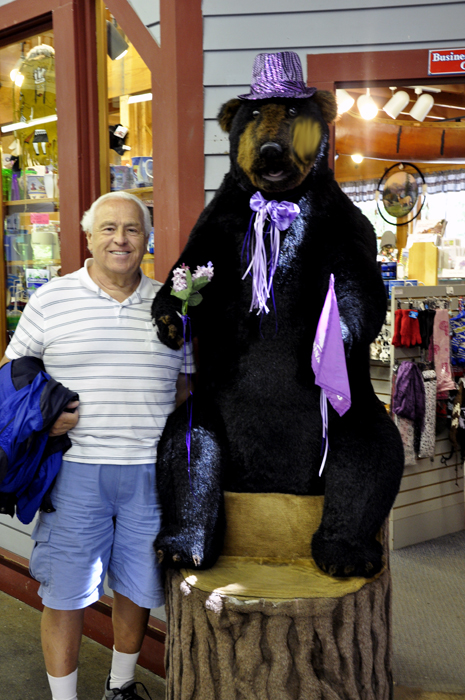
(66, 421)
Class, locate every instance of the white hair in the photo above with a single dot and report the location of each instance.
(87, 221)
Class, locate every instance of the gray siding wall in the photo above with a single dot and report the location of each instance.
(149, 12)
(234, 32)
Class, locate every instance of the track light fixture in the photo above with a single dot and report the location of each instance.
(117, 47)
(398, 101)
(422, 106)
(367, 106)
(344, 101)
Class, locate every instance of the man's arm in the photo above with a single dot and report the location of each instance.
(66, 421)
(184, 387)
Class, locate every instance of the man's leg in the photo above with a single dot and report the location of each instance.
(61, 632)
(129, 624)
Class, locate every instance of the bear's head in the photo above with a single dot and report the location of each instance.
(275, 142)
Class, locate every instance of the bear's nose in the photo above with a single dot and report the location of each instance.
(270, 149)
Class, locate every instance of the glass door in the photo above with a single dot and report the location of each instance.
(30, 178)
(126, 99)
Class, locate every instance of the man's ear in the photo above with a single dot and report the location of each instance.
(227, 114)
(327, 103)
(89, 241)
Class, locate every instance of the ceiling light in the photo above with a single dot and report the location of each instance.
(367, 106)
(344, 101)
(14, 72)
(117, 47)
(422, 106)
(357, 158)
(25, 125)
(397, 103)
(145, 97)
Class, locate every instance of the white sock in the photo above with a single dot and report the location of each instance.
(123, 668)
(64, 688)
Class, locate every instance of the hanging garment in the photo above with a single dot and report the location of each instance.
(457, 341)
(427, 446)
(408, 405)
(457, 420)
(397, 324)
(426, 321)
(409, 397)
(441, 353)
(406, 328)
(407, 432)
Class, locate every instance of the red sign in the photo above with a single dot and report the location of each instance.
(446, 62)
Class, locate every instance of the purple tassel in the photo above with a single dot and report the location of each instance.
(262, 270)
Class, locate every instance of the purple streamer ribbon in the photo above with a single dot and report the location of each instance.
(280, 216)
(186, 334)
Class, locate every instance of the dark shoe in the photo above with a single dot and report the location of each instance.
(126, 692)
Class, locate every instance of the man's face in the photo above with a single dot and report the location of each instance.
(117, 241)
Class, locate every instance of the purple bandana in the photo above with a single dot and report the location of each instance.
(277, 75)
(329, 364)
(280, 215)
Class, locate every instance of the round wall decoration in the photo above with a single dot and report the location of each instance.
(400, 187)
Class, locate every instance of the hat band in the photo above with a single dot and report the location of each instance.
(284, 88)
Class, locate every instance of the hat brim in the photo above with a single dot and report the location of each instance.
(293, 94)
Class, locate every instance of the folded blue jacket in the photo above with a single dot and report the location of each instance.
(30, 403)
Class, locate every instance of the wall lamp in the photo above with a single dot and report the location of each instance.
(344, 101)
(357, 158)
(422, 106)
(117, 47)
(399, 100)
(367, 106)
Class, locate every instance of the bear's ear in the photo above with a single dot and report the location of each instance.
(227, 113)
(327, 103)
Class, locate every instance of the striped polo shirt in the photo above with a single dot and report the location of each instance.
(109, 353)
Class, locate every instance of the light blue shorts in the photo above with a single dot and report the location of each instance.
(106, 520)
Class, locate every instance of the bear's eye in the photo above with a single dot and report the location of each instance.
(255, 113)
(292, 111)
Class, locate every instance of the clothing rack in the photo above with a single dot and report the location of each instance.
(430, 502)
(404, 295)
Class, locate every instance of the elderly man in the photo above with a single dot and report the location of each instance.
(92, 329)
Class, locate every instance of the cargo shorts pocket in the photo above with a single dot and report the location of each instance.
(39, 563)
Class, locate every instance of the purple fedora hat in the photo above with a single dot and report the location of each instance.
(277, 75)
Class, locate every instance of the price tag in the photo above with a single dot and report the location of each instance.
(449, 290)
(39, 218)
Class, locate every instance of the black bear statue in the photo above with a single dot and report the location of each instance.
(254, 422)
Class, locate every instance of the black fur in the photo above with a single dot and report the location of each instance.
(256, 412)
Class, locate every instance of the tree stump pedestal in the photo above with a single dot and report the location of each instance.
(274, 627)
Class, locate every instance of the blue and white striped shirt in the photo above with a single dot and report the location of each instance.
(109, 353)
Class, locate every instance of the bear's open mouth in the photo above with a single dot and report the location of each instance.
(274, 175)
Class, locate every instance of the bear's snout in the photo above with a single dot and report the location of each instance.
(270, 150)
(276, 150)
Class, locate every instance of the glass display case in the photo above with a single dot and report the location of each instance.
(129, 118)
(29, 153)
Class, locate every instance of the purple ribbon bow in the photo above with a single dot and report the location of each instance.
(280, 216)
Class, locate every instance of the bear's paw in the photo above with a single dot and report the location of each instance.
(178, 547)
(341, 559)
(170, 331)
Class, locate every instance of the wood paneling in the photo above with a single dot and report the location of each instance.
(129, 75)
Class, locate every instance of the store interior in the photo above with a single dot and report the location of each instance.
(29, 151)
(421, 125)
